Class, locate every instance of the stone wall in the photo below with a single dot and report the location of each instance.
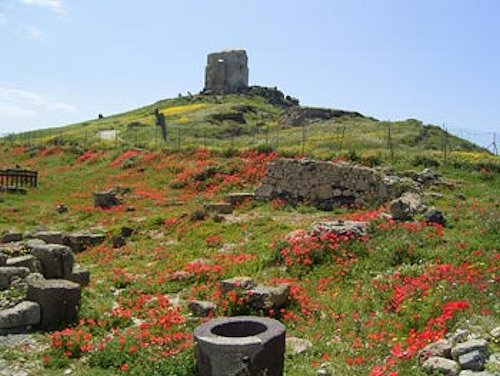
(226, 72)
(327, 185)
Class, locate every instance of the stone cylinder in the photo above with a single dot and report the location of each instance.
(245, 345)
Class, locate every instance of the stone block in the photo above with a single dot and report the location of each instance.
(441, 366)
(21, 315)
(57, 260)
(406, 207)
(3, 259)
(238, 198)
(8, 273)
(26, 261)
(480, 345)
(473, 360)
(79, 241)
(340, 227)
(218, 207)
(441, 348)
(11, 236)
(80, 275)
(201, 308)
(236, 283)
(268, 297)
(59, 301)
(51, 237)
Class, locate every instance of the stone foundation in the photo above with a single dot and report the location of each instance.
(327, 185)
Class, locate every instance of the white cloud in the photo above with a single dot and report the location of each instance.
(12, 111)
(54, 5)
(21, 104)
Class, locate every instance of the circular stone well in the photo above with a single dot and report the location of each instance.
(245, 345)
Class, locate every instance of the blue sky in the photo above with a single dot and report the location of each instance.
(64, 61)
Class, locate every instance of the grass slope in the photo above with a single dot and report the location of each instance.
(366, 305)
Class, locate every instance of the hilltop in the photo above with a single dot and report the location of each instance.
(261, 117)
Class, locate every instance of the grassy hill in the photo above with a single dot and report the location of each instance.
(366, 306)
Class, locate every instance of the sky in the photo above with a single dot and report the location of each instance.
(65, 61)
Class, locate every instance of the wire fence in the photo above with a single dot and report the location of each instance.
(305, 140)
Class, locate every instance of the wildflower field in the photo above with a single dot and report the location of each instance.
(367, 305)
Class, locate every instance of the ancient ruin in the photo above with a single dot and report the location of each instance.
(226, 72)
(327, 185)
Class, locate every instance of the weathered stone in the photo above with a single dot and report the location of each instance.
(406, 207)
(218, 207)
(202, 308)
(118, 241)
(57, 260)
(480, 345)
(80, 275)
(427, 177)
(33, 243)
(473, 360)
(459, 335)
(495, 333)
(79, 241)
(441, 348)
(8, 273)
(241, 345)
(296, 345)
(474, 373)
(51, 237)
(435, 216)
(3, 259)
(340, 227)
(22, 315)
(268, 297)
(236, 283)
(10, 237)
(59, 301)
(326, 185)
(126, 231)
(226, 72)
(61, 208)
(106, 200)
(446, 367)
(27, 261)
(238, 198)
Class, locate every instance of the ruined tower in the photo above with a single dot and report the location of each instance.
(226, 72)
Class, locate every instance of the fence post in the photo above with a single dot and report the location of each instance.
(303, 139)
(156, 137)
(389, 142)
(277, 137)
(179, 139)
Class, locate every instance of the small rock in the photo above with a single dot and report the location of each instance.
(126, 231)
(473, 360)
(238, 198)
(495, 333)
(57, 260)
(118, 241)
(106, 200)
(27, 261)
(340, 228)
(297, 345)
(269, 297)
(441, 348)
(80, 276)
(181, 275)
(236, 283)
(435, 216)
(480, 345)
(218, 207)
(407, 206)
(61, 208)
(446, 367)
(459, 335)
(3, 259)
(202, 308)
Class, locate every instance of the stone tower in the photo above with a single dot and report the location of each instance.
(226, 72)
